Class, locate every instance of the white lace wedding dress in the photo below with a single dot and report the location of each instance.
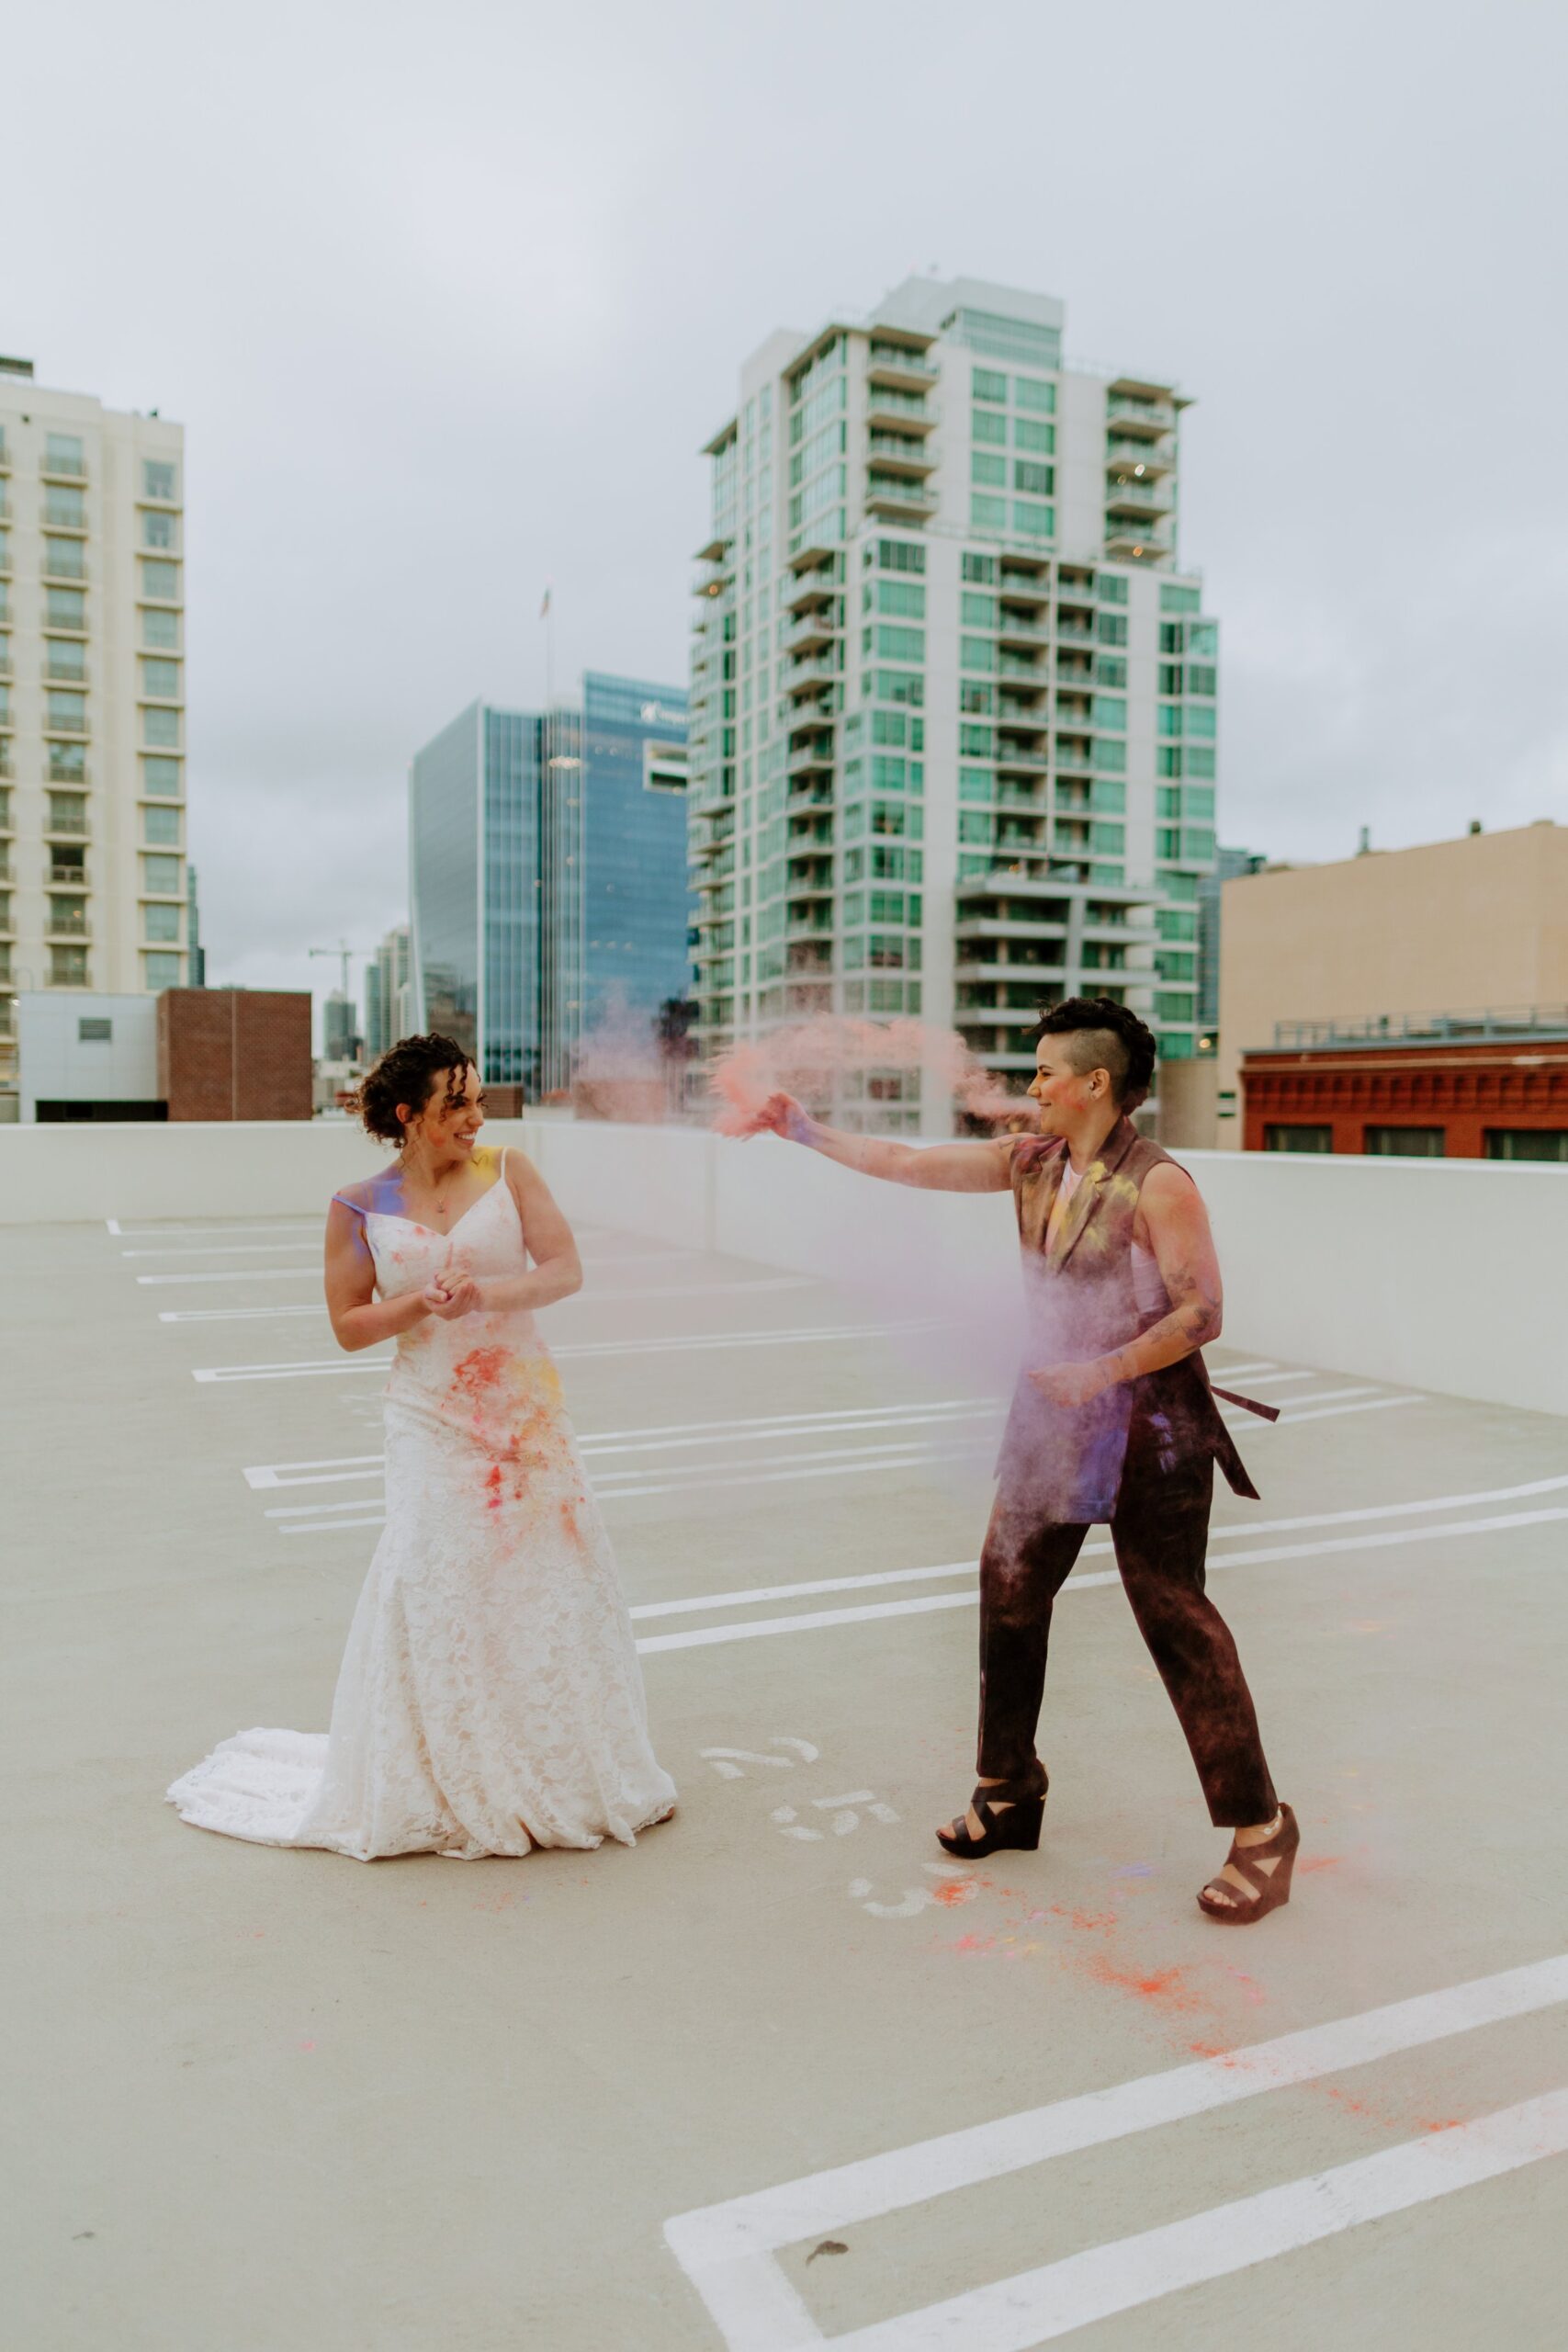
(490, 1697)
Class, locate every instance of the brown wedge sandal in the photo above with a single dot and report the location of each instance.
(1273, 1886)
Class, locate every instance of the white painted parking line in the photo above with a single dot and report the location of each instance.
(235, 1274)
(695, 1341)
(727, 2250)
(1310, 1410)
(594, 1294)
(817, 1621)
(660, 1437)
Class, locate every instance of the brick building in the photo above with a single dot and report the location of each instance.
(234, 1053)
(1456, 1086)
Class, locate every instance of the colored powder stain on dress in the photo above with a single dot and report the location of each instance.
(480, 1371)
(492, 1487)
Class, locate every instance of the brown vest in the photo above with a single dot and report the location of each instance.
(1066, 1461)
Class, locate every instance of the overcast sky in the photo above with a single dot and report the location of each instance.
(447, 300)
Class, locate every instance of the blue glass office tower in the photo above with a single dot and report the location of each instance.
(548, 877)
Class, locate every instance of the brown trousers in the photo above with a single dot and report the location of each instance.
(1160, 1533)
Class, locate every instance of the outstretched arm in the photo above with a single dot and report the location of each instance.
(1171, 1210)
(944, 1168)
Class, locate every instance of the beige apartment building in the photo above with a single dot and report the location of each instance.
(92, 881)
(1403, 944)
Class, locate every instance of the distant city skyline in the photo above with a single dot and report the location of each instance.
(438, 365)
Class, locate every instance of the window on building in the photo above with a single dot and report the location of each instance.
(160, 678)
(1404, 1143)
(1111, 629)
(1111, 710)
(92, 1029)
(66, 711)
(986, 385)
(62, 454)
(1525, 1143)
(65, 507)
(67, 763)
(157, 478)
(1170, 677)
(161, 778)
(161, 580)
(1030, 392)
(1039, 480)
(1175, 599)
(161, 629)
(68, 967)
(982, 568)
(62, 560)
(1288, 1137)
(161, 923)
(988, 425)
(1201, 678)
(157, 529)
(1203, 640)
(989, 470)
(1110, 754)
(160, 728)
(65, 608)
(160, 876)
(1110, 670)
(160, 827)
(1108, 794)
(988, 514)
(978, 699)
(1200, 759)
(1034, 522)
(977, 743)
(1111, 588)
(163, 971)
(65, 657)
(899, 555)
(977, 611)
(1029, 433)
(67, 812)
(977, 653)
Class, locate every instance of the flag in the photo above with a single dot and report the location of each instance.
(544, 608)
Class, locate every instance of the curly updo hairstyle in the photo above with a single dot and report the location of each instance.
(1105, 1036)
(406, 1073)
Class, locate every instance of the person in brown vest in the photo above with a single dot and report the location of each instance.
(1114, 1419)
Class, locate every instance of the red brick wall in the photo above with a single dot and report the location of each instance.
(234, 1053)
(1464, 1088)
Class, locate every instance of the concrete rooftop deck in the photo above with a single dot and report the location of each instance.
(268, 2100)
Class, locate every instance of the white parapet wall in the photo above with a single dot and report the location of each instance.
(1444, 1275)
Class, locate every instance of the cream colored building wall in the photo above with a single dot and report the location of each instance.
(118, 699)
(1450, 927)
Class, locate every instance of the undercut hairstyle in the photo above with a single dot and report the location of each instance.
(406, 1073)
(1104, 1036)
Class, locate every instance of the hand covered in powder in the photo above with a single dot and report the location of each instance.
(450, 1295)
(781, 1114)
(1073, 1384)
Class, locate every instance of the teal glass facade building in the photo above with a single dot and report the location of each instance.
(549, 890)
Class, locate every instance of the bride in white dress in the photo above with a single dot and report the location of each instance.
(490, 1699)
